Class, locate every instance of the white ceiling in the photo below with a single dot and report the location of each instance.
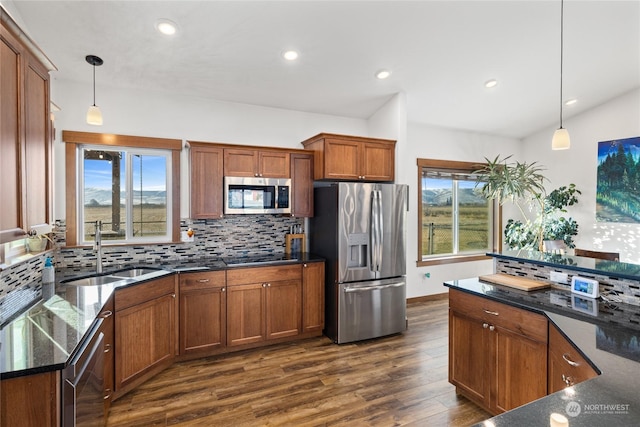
(440, 54)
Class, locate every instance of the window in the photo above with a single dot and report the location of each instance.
(457, 223)
(129, 183)
(128, 189)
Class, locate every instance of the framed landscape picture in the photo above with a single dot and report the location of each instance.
(618, 181)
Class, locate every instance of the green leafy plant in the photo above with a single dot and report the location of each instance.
(523, 184)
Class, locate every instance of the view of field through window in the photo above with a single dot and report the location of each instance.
(106, 179)
(455, 217)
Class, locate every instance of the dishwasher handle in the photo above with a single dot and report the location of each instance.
(372, 288)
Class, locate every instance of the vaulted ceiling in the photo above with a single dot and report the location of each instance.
(440, 53)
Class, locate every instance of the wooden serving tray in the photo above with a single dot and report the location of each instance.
(514, 281)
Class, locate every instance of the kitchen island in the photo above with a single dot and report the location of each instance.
(605, 332)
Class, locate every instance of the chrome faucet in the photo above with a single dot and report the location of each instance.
(97, 246)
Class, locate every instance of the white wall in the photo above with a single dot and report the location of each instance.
(155, 114)
(616, 119)
(443, 144)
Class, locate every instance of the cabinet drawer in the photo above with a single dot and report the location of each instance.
(136, 294)
(202, 280)
(567, 366)
(518, 320)
(242, 276)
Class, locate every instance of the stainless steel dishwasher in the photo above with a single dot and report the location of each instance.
(83, 383)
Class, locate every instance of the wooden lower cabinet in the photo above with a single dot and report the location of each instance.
(30, 401)
(263, 303)
(567, 366)
(145, 331)
(313, 297)
(203, 312)
(497, 353)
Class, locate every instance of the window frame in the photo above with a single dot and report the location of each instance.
(461, 167)
(74, 138)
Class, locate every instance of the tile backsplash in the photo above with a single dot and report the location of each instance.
(237, 235)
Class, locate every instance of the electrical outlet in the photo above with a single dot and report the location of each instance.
(556, 276)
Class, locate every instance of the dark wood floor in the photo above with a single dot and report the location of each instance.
(393, 381)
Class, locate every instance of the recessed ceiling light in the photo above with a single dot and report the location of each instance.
(166, 27)
(570, 101)
(290, 55)
(491, 83)
(383, 74)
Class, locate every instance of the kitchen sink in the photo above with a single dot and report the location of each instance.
(93, 281)
(134, 272)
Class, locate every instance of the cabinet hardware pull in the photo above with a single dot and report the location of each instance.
(567, 380)
(107, 396)
(304, 265)
(569, 361)
(173, 295)
(106, 314)
(107, 348)
(493, 313)
(485, 325)
(492, 328)
(223, 289)
(268, 284)
(203, 280)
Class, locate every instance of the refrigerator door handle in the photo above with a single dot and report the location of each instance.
(380, 230)
(370, 288)
(375, 228)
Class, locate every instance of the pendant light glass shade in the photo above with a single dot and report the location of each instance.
(94, 115)
(561, 140)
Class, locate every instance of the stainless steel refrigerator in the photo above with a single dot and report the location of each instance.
(360, 229)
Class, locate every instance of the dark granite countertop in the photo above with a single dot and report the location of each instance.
(42, 336)
(606, 333)
(617, 269)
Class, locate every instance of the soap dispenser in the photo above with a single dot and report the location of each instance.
(48, 272)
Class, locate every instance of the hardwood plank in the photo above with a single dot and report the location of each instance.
(399, 380)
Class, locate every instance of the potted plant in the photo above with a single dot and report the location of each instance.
(523, 185)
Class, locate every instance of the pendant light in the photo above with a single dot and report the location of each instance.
(561, 140)
(94, 115)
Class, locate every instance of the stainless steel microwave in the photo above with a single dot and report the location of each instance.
(257, 195)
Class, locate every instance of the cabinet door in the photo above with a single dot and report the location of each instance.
(341, 159)
(31, 400)
(10, 194)
(469, 356)
(520, 366)
(206, 182)
(377, 161)
(145, 335)
(302, 185)
(245, 314)
(284, 314)
(203, 312)
(313, 297)
(567, 366)
(240, 162)
(273, 164)
(37, 145)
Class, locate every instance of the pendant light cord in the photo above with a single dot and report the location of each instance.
(94, 86)
(561, 54)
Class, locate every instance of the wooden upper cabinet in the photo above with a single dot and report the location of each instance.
(25, 139)
(256, 163)
(206, 164)
(302, 185)
(352, 158)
